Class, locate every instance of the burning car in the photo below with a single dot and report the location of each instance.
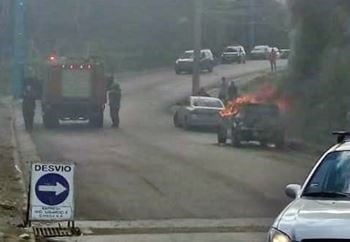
(252, 118)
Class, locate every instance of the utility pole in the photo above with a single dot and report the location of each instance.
(18, 58)
(252, 24)
(198, 4)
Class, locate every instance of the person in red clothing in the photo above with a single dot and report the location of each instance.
(273, 59)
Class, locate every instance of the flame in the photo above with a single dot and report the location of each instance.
(267, 94)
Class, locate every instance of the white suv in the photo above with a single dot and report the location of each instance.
(233, 54)
(185, 62)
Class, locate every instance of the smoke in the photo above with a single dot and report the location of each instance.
(319, 65)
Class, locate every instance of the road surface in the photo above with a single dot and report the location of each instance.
(148, 169)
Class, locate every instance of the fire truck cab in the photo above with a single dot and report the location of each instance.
(74, 89)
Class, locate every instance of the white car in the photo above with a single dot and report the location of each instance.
(199, 111)
(260, 52)
(321, 207)
(185, 62)
(233, 54)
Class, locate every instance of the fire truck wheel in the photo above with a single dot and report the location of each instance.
(50, 121)
(97, 121)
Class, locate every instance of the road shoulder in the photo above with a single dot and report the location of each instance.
(12, 192)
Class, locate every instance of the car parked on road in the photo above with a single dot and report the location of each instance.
(185, 62)
(233, 54)
(260, 52)
(320, 210)
(285, 53)
(198, 111)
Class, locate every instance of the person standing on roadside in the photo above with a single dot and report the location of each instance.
(223, 90)
(114, 97)
(232, 91)
(273, 59)
(28, 106)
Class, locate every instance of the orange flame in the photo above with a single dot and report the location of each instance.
(267, 94)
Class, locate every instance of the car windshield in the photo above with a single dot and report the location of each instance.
(232, 49)
(332, 176)
(260, 48)
(187, 55)
(209, 103)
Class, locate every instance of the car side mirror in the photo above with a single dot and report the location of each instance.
(292, 190)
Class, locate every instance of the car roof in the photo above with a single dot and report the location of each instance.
(205, 98)
(203, 50)
(234, 46)
(261, 46)
(340, 147)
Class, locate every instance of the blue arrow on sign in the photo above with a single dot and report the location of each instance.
(52, 189)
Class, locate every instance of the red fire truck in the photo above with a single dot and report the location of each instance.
(74, 89)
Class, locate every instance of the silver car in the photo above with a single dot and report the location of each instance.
(198, 111)
(260, 52)
(321, 207)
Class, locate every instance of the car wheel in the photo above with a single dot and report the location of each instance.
(50, 120)
(221, 135)
(176, 120)
(280, 141)
(96, 121)
(236, 139)
(187, 124)
(263, 143)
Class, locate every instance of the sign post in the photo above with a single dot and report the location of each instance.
(51, 192)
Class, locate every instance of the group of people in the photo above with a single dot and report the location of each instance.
(227, 91)
(30, 94)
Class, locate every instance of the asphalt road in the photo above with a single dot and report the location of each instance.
(148, 169)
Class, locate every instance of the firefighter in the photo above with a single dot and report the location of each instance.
(223, 90)
(114, 96)
(232, 91)
(28, 106)
(203, 93)
(273, 59)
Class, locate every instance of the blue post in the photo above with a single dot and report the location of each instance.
(18, 58)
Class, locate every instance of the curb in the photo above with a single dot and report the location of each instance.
(18, 135)
(168, 226)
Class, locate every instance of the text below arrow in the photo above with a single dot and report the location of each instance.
(57, 189)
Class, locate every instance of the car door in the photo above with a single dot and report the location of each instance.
(203, 60)
(183, 110)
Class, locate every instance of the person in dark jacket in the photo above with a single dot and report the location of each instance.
(28, 107)
(114, 97)
(223, 90)
(232, 91)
